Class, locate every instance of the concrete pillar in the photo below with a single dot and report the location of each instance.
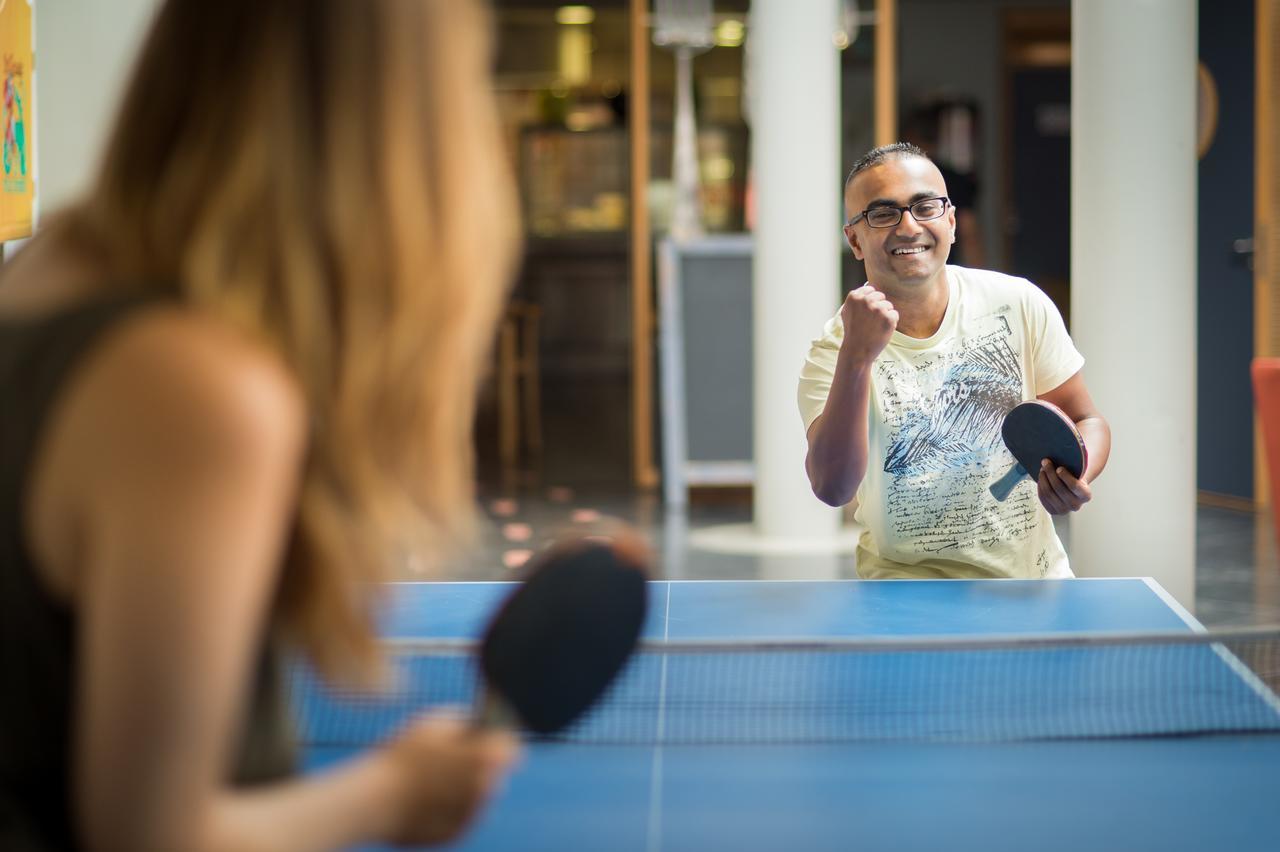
(1133, 281)
(796, 158)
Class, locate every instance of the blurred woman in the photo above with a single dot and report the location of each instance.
(238, 381)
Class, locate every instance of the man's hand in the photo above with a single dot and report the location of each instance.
(1060, 492)
(869, 321)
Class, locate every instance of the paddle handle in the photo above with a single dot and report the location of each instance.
(1001, 488)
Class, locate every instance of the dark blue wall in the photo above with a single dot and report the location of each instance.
(1225, 401)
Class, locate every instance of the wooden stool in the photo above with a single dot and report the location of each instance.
(518, 383)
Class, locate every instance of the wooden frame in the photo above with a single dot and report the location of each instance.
(1266, 235)
(886, 72)
(643, 472)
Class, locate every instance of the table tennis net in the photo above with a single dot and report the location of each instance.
(863, 690)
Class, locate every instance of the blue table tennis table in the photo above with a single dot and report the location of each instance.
(1217, 792)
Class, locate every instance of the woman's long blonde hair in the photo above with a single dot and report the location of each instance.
(328, 175)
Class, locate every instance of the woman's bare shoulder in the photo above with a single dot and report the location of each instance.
(169, 367)
(174, 415)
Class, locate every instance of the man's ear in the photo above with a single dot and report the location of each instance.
(851, 237)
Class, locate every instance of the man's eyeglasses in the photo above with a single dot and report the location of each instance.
(887, 216)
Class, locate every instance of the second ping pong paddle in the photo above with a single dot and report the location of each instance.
(560, 639)
(1034, 431)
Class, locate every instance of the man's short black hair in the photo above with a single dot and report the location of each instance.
(876, 156)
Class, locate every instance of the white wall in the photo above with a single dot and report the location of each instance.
(84, 52)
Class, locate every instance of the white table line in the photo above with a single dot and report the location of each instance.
(655, 782)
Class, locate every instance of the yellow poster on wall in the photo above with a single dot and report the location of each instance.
(17, 183)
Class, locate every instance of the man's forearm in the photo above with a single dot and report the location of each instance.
(837, 458)
(1097, 440)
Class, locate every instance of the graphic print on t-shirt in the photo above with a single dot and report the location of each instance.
(942, 414)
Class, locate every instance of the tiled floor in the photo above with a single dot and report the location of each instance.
(1237, 567)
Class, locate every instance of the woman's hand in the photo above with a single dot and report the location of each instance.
(446, 770)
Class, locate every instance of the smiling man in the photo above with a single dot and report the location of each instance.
(904, 393)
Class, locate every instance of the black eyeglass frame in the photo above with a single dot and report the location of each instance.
(946, 203)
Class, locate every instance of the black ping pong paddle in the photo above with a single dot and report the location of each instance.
(558, 641)
(1038, 430)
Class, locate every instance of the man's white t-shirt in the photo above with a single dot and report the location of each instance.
(935, 411)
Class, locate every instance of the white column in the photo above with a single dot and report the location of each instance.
(796, 158)
(85, 50)
(1133, 281)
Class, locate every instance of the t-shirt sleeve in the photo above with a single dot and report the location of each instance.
(818, 370)
(1054, 356)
